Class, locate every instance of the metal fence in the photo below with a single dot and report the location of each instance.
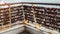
(14, 15)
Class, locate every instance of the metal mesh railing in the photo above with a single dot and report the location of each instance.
(48, 17)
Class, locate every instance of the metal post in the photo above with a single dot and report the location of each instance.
(23, 14)
(9, 15)
(34, 13)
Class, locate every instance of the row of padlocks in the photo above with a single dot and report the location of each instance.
(48, 17)
(16, 14)
(44, 16)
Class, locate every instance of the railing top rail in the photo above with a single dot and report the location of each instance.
(30, 3)
(41, 3)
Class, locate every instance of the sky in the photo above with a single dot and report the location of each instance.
(43, 1)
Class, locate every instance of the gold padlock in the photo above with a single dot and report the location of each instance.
(37, 25)
(26, 22)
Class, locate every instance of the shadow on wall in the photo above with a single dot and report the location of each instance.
(25, 32)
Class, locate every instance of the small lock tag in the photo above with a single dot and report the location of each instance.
(32, 5)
